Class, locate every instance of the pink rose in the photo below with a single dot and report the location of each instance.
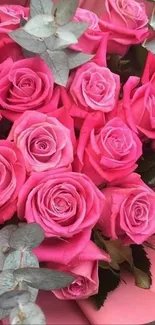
(26, 85)
(106, 153)
(128, 23)
(67, 203)
(139, 106)
(44, 142)
(129, 211)
(10, 50)
(95, 88)
(90, 40)
(12, 177)
(86, 273)
(10, 16)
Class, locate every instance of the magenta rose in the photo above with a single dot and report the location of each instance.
(139, 106)
(95, 88)
(44, 142)
(62, 202)
(127, 22)
(12, 177)
(129, 211)
(106, 153)
(69, 253)
(26, 85)
(90, 40)
(10, 17)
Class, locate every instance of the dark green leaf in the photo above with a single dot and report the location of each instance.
(44, 279)
(142, 267)
(146, 167)
(13, 298)
(29, 236)
(108, 282)
(27, 41)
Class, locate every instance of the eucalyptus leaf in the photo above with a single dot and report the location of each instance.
(5, 234)
(32, 291)
(40, 26)
(67, 36)
(76, 59)
(17, 259)
(142, 279)
(7, 281)
(4, 313)
(27, 41)
(2, 260)
(44, 279)
(29, 236)
(13, 298)
(54, 43)
(76, 27)
(58, 63)
(150, 45)
(39, 7)
(27, 314)
(64, 10)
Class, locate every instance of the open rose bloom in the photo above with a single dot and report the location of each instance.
(77, 158)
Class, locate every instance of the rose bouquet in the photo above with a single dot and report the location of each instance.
(77, 152)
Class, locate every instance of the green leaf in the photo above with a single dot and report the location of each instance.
(141, 267)
(40, 26)
(64, 10)
(38, 7)
(108, 282)
(13, 298)
(29, 236)
(142, 279)
(58, 63)
(14, 260)
(27, 41)
(117, 251)
(76, 59)
(29, 314)
(76, 27)
(7, 281)
(44, 279)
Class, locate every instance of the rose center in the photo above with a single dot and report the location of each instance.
(78, 287)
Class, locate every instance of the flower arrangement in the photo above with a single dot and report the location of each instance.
(77, 152)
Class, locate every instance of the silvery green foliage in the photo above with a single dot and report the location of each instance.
(21, 278)
(48, 32)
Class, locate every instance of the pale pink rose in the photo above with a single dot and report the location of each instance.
(26, 85)
(129, 211)
(86, 273)
(12, 177)
(106, 153)
(86, 282)
(95, 88)
(138, 106)
(91, 38)
(67, 202)
(44, 142)
(127, 21)
(10, 16)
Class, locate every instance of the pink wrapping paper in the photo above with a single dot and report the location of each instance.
(126, 305)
